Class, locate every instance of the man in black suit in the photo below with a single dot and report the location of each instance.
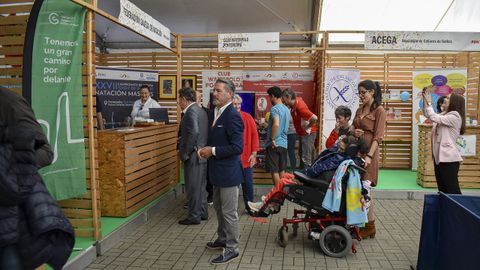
(194, 132)
(225, 145)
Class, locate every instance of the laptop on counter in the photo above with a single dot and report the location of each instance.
(159, 114)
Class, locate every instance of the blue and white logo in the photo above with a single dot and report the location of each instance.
(340, 90)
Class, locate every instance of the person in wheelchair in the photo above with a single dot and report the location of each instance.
(323, 168)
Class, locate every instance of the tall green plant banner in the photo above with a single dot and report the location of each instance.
(53, 82)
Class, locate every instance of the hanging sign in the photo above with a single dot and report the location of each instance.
(143, 23)
(422, 41)
(241, 42)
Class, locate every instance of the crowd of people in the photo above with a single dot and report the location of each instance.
(225, 139)
(233, 144)
(218, 147)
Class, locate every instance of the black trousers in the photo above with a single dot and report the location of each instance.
(446, 174)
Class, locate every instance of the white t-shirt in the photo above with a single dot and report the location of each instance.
(143, 110)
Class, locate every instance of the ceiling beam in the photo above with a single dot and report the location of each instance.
(443, 16)
(316, 20)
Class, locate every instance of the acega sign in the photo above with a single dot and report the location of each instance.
(422, 41)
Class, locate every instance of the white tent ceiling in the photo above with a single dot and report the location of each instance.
(228, 16)
(399, 15)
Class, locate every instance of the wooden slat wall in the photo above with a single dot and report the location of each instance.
(394, 72)
(194, 62)
(135, 167)
(12, 34)
(468, 176)
(473, 84)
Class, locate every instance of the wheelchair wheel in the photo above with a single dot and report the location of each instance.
(335, 241)
(282, 236)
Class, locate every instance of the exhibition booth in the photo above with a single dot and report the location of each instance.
(127, 169)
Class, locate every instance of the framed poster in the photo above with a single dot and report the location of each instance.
(467, 144)
(168, 86)
(189, 81)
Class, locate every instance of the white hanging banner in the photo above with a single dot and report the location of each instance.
(143, 23)
(340, 89)
(422, 41)
(241, 42)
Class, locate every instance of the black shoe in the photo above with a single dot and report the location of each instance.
(226, 257)
(188, 222)
(249, 212)
(185, 206)
(215, 245)
(204, 218)
(210, 200)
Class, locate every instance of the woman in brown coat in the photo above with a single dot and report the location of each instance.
(369, 124)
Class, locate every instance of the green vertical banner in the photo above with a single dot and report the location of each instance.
(53, 82)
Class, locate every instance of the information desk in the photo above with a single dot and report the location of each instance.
(135, 166)
(469, 176)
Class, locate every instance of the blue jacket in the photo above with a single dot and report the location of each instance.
(327, 161)
(225, 168)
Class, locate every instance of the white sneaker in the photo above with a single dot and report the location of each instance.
(255, 206)
(263, 198)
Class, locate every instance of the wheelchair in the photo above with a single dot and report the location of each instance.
(329, 229)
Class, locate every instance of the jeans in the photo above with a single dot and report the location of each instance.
(292, 157)
(247, 187)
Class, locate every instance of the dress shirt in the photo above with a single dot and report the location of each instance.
(217, 112)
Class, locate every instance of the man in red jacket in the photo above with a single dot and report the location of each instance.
(249, 154)
(305, 122)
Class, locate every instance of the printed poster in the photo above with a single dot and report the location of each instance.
(118, 89)
(445, 82)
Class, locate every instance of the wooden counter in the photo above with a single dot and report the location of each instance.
(469, 175)
(135, 166)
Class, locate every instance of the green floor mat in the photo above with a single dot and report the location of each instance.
(398, 179)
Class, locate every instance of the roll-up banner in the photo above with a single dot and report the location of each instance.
(340, 89)
(52, 81)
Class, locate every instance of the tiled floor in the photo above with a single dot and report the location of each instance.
(163, 244)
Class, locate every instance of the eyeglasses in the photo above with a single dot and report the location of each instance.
(363, 92)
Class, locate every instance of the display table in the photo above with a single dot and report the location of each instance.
(469, 176)
(135, 166)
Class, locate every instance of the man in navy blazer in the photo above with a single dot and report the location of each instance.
(223, 150)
